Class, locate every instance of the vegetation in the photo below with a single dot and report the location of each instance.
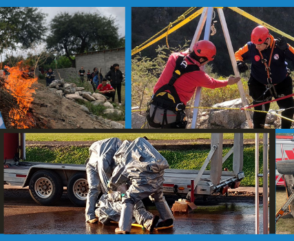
(20, 26)
(81, 33)
(189, 160)
(125, 136)
(148, 21)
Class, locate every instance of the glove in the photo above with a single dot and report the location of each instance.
(242, 67)
(281, 43)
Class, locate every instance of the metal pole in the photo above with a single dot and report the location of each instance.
(234, 63)
(198, 91)
(265, 184)
(199, 28)
(256, 183)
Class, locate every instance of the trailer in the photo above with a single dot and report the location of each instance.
(46, 182)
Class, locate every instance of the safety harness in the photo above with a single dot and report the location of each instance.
(167, 98)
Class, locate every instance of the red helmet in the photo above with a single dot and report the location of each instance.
(259, 35)
(205, 48)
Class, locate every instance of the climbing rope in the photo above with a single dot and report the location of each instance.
(183, 19)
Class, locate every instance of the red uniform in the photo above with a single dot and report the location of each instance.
(105, 87)
(187, 83)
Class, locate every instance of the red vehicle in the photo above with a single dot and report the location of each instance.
(284, 151)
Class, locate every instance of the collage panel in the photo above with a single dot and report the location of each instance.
(62, 67)
(138, 183)
(212, 68)
(285, 183)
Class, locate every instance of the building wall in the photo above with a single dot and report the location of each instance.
(103, 60)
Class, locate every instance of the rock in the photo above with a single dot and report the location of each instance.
(137, 120)
(112, 111)
(59, 92)
(97, 102)
(85, 92)
(74, 97)
(108, 105)
(77, 93)
(87, 96)
(116, 125)
(69, 85)
(271, 117)
(229, 119)
(84, 108)
(98, 96)
(56, 83)
(85, 100)
(80, 88)
(245, 125)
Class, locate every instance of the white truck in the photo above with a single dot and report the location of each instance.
(46, 181)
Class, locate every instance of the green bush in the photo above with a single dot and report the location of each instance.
(41, 76)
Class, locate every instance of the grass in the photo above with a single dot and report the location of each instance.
(177, 159)
(284, 225)
(123, 136)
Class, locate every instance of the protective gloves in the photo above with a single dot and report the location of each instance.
(242, 67)
(281, 43)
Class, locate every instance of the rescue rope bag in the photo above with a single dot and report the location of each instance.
(165, 110)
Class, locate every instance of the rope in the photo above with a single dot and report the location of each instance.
(181, 18)
(266, 102)
(225, 108)
(260, 22)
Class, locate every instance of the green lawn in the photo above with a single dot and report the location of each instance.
(177, 159)
(123, 136)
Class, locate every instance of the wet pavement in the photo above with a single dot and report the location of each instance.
(23, 216)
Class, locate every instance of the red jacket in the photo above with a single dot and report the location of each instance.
(187, 83)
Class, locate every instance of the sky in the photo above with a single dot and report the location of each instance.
(118, 13)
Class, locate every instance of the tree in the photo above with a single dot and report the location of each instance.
(82, 33)
(20, 27)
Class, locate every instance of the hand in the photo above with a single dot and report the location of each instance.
(242, 67)
(233, 80)
(281, 43)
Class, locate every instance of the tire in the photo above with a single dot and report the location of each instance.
(45, 187)
(285, 167)
(77, 189)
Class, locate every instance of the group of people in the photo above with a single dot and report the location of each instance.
(99, 82)
(269, 78)
(125, 173)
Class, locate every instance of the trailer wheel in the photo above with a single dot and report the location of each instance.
(77, 189)
(45, 187)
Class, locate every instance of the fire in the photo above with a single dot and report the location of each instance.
(19, 83)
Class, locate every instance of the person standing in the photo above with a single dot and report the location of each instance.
(115, 76)
(269, 75)
(82, 73)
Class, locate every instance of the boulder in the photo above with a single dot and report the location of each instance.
(80, 88)
(97, 102)
(56, 83)
(84, 108)
(85, 92)
(229, 119)
(69, 85)
(59, 92)
(137, 120)
(77, 93)
(271, 117)
(87, 96)
(108, 105)
(112, 111)
(71, 90)
(74, 97)
(98, 96)
(116, 125)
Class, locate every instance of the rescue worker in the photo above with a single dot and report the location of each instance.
(142, 166)
(269, 75)
(99, 170)
(177, 84)
(110, 206)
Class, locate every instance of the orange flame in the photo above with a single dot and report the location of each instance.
(20, 86)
